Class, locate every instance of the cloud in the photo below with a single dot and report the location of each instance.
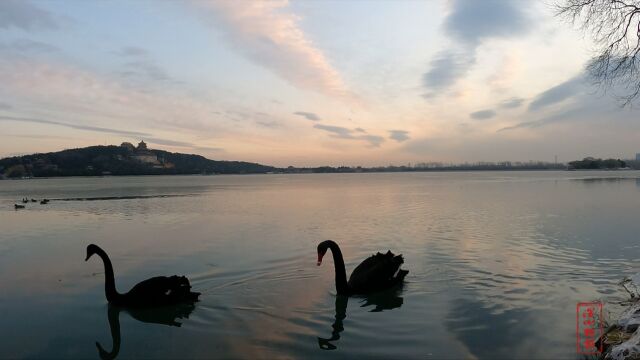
(512, 103)
(22, 14)
(445, 69)
(140, 68)
(158, 141)
(345, 133)
(483, 114)
(267, 33)
(147, 137)
(38, 137)
(143, 70)
(132, 51)
(529, 124)
(27, 46)
(584, 106)
(271, 124)
(75, 126)
(399, 135)
(337, 131)
(558, 93)
(471, 21)
(308, 115)
(373, 140)
(52, 86)
(468, 24)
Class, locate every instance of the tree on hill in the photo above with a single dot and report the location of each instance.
(118, 160)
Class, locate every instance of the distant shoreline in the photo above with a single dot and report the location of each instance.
(311, 173)
(130, 160)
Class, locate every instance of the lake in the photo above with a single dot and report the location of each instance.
(497, 260)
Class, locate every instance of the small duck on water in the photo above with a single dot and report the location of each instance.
(17, 206)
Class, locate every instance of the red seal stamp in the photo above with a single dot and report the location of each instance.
(589, 327)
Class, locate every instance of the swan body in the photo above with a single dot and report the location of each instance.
(376, 273)
(157, 291)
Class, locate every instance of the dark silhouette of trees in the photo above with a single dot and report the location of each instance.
(593, 164)
(614, 25)
(117, 160)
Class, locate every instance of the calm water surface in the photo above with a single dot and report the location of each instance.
(497, 260)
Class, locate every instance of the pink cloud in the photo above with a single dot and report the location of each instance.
(268, 34)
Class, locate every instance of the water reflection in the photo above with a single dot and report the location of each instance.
(161, 315)
(606, 180)
(341, 314)
(113, 314)
(498, 262)
(490, 331)
(386, 300)
(131, 197)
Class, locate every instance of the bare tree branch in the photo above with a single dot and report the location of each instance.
(611, 24)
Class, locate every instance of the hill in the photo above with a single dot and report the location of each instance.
(120, 160)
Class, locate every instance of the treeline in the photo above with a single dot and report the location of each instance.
(505, 165)
(590, 163)
(117, 160)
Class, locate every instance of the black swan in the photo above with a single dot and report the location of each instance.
(377, 273)
(157, 291)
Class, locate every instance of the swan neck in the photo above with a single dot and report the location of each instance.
(341, 274)
(109, 278)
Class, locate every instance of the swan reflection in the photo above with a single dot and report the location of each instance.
(387, 300)
(341, 314)
(166, 315)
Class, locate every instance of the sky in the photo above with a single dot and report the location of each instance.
(307, 83)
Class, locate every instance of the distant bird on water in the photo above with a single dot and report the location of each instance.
(157, 291)
(17, 206)
(376, 273)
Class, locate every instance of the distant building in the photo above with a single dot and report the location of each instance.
(144, 155)
(146, 158)
(637, 156)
